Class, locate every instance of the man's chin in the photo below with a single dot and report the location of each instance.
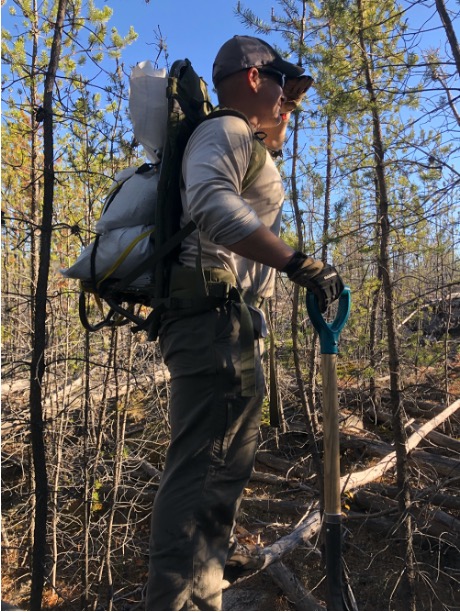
(275, 122)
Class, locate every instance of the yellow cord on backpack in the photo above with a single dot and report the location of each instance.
(125, 254)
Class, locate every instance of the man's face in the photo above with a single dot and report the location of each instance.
(270, 91)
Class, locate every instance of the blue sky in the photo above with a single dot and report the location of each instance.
(195, 30)
(192, 29)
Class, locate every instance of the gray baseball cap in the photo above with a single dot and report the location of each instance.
(242, 52)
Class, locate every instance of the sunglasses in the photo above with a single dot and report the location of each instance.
(279, 77)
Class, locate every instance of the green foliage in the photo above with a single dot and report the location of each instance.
(289, 236)
(265, 417)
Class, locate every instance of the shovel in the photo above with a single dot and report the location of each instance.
(329, 337)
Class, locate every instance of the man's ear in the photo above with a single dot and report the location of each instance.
(253, 79)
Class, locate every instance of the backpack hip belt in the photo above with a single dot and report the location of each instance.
(189, 284)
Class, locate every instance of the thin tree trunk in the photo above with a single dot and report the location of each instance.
(373, 325)
(327, 190)
(450, 32)
(307, 398)
(393, 351)
(39, 326)
(86, 479)
(58, 448)
(33, 242)
(372, 347)
(121, 418)
(308, 406)
(98, 435)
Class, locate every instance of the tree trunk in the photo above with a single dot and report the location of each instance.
(388, 295)
(373, 329)
(39, 326)
(308, 406)
(450, 32)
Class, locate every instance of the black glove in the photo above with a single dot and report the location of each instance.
(294, 91)
(322, 279)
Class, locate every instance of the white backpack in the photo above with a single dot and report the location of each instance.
(125, 229)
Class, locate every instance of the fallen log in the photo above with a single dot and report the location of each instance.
(420, 409)
(14, 386)
(425, 409)
(445, 466)
(150, 470)
(285, 545)
(274, 506)
(353, 481)
(282, 465)
(256, 476)
(439, 439)
(435, 437)
(381, 525)
(432, 522)
(292, 588)
(274, 479)
(274, 553)
(429, 495)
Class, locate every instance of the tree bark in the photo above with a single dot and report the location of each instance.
(450, 32)
(39, 326)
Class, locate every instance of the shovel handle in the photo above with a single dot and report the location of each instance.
(329, 340)
(329, 332)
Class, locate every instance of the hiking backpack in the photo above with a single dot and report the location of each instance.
(138, 235)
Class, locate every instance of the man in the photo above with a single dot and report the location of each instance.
(217, 386)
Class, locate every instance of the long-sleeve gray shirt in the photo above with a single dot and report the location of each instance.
(215, 163)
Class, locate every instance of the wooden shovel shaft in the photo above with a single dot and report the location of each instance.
(332, 505)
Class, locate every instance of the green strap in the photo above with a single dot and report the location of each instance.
(256, 163)
(275, 404)
(248, 372)
(259, 150)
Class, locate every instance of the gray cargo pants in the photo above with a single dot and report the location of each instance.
(214, 434)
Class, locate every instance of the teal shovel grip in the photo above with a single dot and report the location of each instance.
(329, 332)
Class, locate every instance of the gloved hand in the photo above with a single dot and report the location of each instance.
(294, 91)
(322, 279)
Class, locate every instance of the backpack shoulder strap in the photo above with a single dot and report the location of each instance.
(256, 163)
(259, 150)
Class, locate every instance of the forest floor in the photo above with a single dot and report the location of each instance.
(282, 495)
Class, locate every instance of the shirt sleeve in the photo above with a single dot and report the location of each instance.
(215, 163)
